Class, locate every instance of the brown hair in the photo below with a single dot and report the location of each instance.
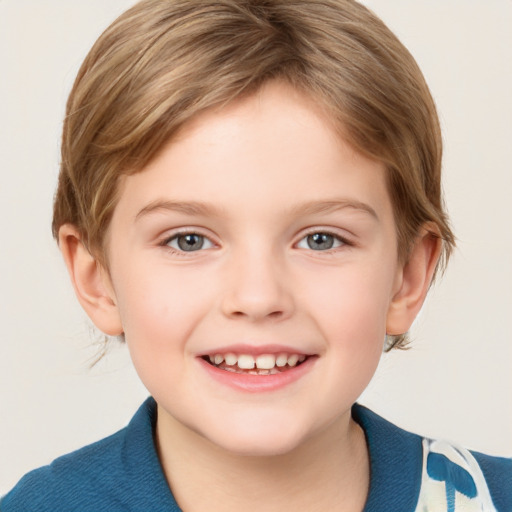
(164, 61)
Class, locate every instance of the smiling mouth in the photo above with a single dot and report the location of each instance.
(264, 364)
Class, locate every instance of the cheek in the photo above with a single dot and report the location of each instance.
(351, 313)
(350, 304)
(159, 308)
(353, 321)
(157, 319)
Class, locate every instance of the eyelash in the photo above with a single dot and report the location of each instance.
(343, 241)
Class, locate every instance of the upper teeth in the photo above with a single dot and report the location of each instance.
(262, 362)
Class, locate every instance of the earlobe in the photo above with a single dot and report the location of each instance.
(414, 281)
(90, 281)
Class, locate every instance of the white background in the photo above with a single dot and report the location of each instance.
(456, 381)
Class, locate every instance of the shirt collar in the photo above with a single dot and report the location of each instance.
(395, 462)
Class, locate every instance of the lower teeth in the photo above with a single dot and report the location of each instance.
(232, 369)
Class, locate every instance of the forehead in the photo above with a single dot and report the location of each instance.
(277, 147)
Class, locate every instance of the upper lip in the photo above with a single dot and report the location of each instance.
(256, 350)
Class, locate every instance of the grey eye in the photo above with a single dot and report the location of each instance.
(320, 242)
(189, 242)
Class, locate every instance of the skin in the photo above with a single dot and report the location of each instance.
(266, 172)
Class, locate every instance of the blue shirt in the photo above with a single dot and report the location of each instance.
(123, 473)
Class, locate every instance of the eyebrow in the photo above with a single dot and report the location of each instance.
(197, 208)
(192, 208)
(315, 207)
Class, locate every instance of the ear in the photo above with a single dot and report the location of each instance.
(413, 281)
(91, 282)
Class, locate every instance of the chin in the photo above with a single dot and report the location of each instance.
(258, 438)
(257, 448)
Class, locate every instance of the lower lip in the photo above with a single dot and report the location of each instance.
(258, 383)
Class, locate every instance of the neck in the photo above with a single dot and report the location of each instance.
(328, 472)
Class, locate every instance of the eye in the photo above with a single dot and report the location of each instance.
(188, 242)
(321, 241)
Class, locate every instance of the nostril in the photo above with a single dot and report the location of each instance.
(273, 314)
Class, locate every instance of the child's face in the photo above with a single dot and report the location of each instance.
(291, 249)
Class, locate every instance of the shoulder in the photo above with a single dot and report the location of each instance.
(498, 475)
(118, 473)
(75, 477)
(425, 474)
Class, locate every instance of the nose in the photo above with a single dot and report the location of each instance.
(257, 288)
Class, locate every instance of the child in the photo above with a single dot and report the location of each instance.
(250, 196)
